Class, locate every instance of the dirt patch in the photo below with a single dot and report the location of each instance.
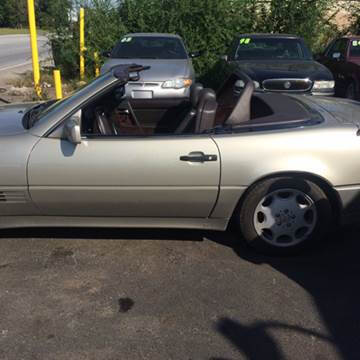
(21, 88)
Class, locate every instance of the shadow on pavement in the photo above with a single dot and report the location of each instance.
(104, 233)
(329, 274)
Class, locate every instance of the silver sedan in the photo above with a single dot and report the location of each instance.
(282, 168)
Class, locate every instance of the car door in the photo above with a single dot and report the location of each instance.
(335, 60)
(131, 176)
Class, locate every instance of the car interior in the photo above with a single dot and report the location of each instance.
(115, 115)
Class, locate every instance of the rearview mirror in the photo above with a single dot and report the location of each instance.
(336, 55)
(72, 128)
(224, 57)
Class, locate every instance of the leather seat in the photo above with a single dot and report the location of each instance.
(195, 92)
(206, 111)
(242, 110)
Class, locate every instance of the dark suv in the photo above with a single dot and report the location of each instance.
(277, 62)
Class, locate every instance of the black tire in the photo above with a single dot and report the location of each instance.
(350, 92)
(244, 215)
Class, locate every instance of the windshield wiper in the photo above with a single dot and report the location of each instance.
(31, 116)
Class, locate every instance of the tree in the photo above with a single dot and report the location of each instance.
(53, 14)
(13, 13)
(306, 18)
(207, 25)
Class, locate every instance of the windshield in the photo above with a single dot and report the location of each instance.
(32, 116)
(149, 47)
(269, 48)
(355, 48)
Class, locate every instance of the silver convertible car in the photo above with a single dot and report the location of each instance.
(282, 168)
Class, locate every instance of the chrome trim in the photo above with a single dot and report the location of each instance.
(318, 93)
(307, 80)
(144, 84)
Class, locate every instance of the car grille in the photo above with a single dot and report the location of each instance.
(140, 84)
(288, 85)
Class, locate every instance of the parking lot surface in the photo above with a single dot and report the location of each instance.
(165, 294)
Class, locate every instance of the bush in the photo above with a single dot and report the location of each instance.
(208, 25)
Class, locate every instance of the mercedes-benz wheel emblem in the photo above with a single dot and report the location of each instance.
(287, 85)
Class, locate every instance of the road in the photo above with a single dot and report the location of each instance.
(15, 53)
(164, 294)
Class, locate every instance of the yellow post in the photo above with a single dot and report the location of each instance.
(82, 43)
(34, 47)
(96, 60)
(58, 87)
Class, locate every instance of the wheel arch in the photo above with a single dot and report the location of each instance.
(324, 184)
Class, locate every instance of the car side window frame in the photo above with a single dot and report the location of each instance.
(330, 48)
(336, 46)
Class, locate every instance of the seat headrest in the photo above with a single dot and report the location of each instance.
(206, 110)
(207, 94)
(195, 91)
(208, 115)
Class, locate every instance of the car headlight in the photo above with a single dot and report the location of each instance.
(177, 84)
(240, 84)
(323, 85)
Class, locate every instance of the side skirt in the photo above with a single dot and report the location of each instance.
(9, 222)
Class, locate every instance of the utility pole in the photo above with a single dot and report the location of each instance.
(34, 46)
(82, 43)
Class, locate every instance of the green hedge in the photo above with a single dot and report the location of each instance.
(207, 25)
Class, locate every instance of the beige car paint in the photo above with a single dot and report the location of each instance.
(141, 181)
(124, 177)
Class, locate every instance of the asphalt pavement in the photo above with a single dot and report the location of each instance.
(165, 294)
(15, 53)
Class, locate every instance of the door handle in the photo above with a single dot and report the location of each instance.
(198, 156)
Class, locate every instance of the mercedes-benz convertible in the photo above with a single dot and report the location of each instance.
(282, 168)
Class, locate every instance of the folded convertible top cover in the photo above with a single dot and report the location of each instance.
(122, 71)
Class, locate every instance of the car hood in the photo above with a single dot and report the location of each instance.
(11, 118)
(161, 70)
(280, 69)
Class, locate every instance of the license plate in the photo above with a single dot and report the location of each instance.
(141, 94)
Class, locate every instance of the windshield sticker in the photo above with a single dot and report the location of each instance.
(245, 41)
(126, 39)
(356, 43)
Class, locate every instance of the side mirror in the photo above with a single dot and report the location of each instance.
(72, 128)
(224, 57)
(336, 56)
(195, 54)
(106, 53)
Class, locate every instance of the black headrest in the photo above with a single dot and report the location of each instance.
(205, 115)
(195, 93)
(208, 116)
(207, 94)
